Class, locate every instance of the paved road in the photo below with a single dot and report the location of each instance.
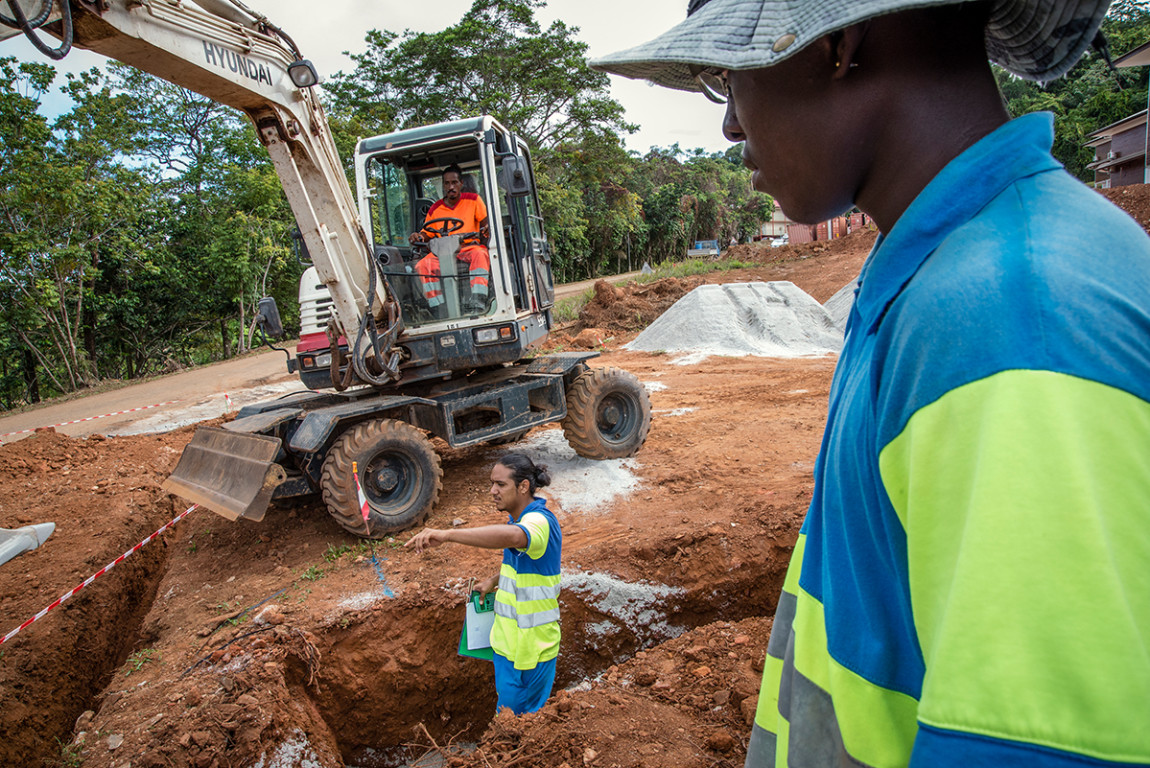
(198, 394)
(574, 289)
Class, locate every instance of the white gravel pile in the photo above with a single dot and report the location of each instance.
(636, 606)
(578, 484)
(839, 305)
(293, 752)
(775, 319)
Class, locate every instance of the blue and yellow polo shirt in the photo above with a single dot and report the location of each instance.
(971, 586)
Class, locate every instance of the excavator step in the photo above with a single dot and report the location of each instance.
(231, 473)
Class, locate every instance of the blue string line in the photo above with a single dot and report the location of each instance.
(379, 572)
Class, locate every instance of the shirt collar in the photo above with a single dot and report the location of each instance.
(537, 504)
(1013, 151)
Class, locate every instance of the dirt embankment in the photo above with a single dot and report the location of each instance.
(289, 642)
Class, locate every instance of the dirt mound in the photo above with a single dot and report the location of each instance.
(103, 495)
(690, 702)
(632, 306)
(764, 253)
(1134, 199)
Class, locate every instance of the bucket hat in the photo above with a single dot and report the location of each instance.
(1034, 39)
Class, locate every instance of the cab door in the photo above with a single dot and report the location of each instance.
(538, 249)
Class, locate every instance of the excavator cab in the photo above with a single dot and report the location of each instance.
(465, 301)
(446, 278)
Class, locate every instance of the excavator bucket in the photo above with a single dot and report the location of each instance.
(231, 473)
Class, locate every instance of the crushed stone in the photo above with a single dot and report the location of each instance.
(638, 606)
(839, 305)
(293, 752)
(775, 319)
(358, 602)
(579, 484)
(674, 411)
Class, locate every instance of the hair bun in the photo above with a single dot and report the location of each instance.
(542, 476)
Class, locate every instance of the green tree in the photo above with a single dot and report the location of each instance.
(229, 224)
(67, 203)
(695, 195)
(1091, 96)
(496, 60)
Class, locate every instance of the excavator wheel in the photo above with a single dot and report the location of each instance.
(399, 475)
(608, 414)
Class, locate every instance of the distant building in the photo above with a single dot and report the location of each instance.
(802, 233)
(776, 227)
(780, 225)
(1120, 152)
(1120, 149)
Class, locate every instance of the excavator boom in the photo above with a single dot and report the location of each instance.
(232, 55)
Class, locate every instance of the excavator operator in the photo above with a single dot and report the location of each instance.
(463, 212)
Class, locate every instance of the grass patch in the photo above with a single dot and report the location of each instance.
(138, 659)
(567, 310)
(70, 756)
(333, 552)
(691, 268)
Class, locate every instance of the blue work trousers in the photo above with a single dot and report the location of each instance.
(522, 690)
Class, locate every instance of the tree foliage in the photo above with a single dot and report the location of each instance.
(142, 227)
(1091, 96)
(496, 60)
(69, 206)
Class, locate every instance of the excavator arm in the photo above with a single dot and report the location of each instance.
(235, 56)
(232, 55)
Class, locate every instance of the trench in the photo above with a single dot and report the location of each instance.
(374, 697)
(57, 668)
(365, 691)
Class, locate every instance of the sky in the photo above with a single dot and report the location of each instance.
(664, 116)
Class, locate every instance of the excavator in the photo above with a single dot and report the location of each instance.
(386, 365)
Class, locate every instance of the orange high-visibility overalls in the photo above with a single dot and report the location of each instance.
(471, 211)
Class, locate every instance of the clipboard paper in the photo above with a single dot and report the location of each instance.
(475, 639)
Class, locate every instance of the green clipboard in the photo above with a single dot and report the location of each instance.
(476, 609)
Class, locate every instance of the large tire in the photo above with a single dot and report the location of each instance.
(608, 414)
(399, 473)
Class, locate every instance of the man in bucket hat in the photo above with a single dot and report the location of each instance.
(971, 585)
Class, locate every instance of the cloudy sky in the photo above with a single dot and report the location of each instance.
(664, 117)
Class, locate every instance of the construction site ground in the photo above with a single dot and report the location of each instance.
(292, 643)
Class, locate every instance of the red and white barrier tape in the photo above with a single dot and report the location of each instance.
(90, 418)
(99, 573)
